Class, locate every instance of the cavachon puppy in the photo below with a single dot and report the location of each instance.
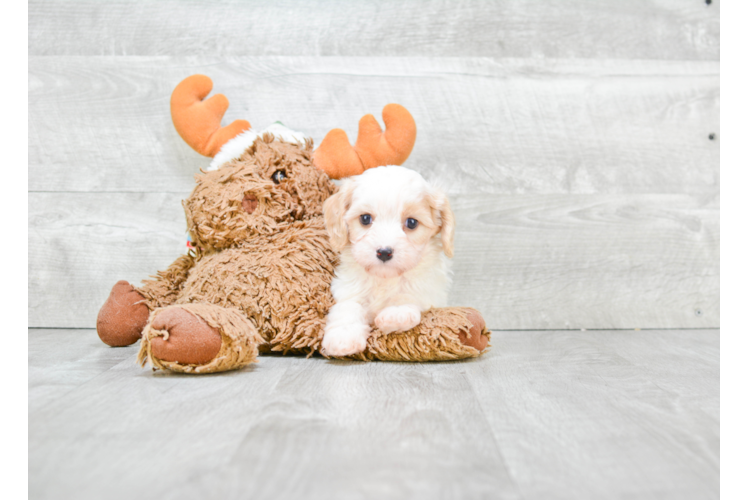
(395, 233)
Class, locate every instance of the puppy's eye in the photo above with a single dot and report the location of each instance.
(365, 219)
(411, 223)
(278, 176)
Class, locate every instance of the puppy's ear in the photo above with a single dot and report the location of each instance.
(334, 209)
(440, 204)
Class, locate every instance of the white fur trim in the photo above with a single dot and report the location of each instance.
(286, 133)
(234, 148)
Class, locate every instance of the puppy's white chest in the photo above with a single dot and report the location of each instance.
(392, 292)
(425, 287)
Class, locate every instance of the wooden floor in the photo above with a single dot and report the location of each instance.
(545, 414)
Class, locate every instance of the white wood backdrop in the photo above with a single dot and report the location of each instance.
(573, 136)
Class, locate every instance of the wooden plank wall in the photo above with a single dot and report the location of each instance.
(732, 203)
(579, 140)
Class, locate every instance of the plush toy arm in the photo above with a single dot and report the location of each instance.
(124, 314)
(443, 334)
(163, 289)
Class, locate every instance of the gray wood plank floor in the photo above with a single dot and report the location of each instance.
(545, 414)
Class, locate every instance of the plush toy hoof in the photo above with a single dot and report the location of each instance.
(199, 338)
(476, 338)
(122, 317)
(190, 341)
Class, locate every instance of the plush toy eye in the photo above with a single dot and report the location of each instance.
(411, 223)
(278, 176)
(365, 219)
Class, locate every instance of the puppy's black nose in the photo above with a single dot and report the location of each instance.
(384, 254)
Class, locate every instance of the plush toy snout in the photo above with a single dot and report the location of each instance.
(249, 203)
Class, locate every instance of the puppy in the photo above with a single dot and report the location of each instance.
(395, 232)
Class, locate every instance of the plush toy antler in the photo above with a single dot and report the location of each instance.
(198, 121)
(373, 148)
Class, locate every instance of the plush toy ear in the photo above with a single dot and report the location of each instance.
(198, 121)
(373, 148)
(440, 204)
(334, 209)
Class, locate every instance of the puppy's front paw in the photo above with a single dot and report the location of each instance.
(397, 319)
(345, 340)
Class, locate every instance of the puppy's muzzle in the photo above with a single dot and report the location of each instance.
(384, 254)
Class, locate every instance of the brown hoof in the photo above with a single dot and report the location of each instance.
(191, 340)
(122, 317)
(476, 339)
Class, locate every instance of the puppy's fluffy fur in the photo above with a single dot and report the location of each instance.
(389, 293)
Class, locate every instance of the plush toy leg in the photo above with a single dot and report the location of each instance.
(199, 338)
(122, 317)
(444, 334)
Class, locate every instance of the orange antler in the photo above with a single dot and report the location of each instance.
(373, 148)
(198, 121)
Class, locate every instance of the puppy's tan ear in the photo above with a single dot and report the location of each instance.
(440, 205)
(334, 209)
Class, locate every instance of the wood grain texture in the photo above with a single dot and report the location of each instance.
(732, 263)
(611, 414)
(636, 29)
(78, 240)
(588, 261)
(505, 126)
(525, 261)
(61, 361)
(573, 137)
(731, 139)
(582, 415)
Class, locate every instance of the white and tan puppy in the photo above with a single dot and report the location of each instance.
(394, 231)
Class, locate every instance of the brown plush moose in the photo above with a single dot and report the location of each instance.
(257, 277)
